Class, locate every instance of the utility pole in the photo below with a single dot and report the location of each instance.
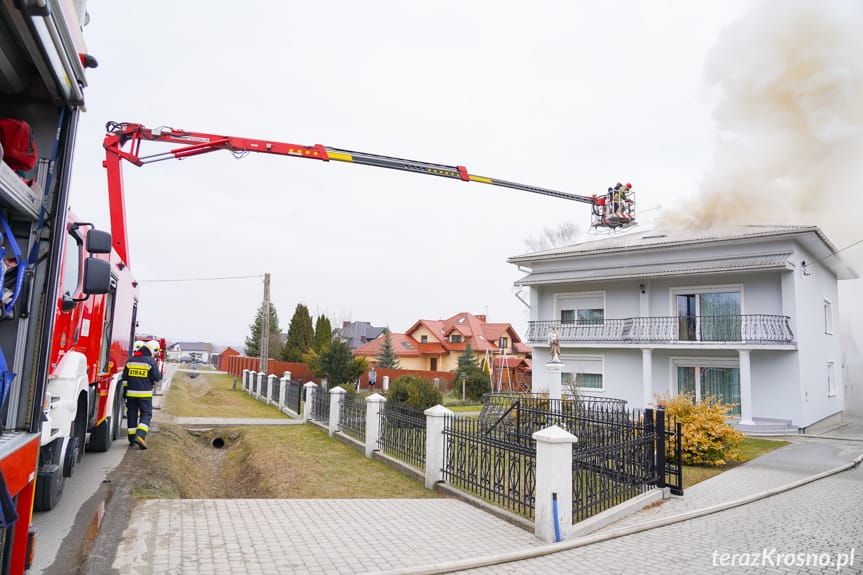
(265, 327)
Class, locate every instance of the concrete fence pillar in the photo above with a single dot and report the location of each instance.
(436, 418)
(287, 375)
(374, 405)
(337, 395)
(271, 383)
(245, 380)
(386, 382)
(309, 390)
(555, 371)
(283, 391)
(553, 478)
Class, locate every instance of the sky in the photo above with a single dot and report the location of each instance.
(570, 95)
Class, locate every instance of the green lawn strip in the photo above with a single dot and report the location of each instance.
(750, 449)
(212, 395)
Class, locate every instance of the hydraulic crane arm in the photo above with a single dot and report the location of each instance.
(195, 143)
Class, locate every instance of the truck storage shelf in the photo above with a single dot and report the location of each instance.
(11, 441)
(15, 193)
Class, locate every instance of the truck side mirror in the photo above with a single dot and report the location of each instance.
(98, 242)
(97, 275)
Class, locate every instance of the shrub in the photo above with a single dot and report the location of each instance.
(476, 384)
(707, 437)
(415, 391)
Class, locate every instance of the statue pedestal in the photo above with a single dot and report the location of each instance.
(555, 370)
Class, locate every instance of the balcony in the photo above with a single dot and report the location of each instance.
(737, 329)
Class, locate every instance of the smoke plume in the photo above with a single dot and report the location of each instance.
(789, 81)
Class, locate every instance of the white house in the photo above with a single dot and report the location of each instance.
(748, 313)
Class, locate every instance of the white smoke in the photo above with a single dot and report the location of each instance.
(789, 82)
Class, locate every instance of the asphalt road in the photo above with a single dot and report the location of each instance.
(66, 534)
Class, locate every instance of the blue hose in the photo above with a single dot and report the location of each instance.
(556, 521)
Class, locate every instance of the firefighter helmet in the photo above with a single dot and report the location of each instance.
(138, 345)
(154, 346)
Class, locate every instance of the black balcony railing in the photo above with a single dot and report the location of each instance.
(750, 328)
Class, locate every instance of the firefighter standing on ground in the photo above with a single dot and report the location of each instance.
(140, 375)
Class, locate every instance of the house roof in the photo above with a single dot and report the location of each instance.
(403, 346)
(711, 265)
(358, 332)
(655, 240)
(481, 335)
(195, 346)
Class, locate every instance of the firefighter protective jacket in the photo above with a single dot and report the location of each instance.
(140, 374)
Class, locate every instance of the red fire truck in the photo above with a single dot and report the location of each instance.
(67, 303)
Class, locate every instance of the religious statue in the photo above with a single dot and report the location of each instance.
(554, 344)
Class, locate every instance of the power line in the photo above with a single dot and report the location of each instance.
(203, 279)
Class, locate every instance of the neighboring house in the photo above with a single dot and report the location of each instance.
(749, 314)
(357, 333)
(194, 351)
(435, 345)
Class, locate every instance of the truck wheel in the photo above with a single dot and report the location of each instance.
(101, 436)
(77, 443)
(49, 488)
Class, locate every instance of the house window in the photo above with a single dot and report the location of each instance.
(831, 379)
(583, 372)
(424, 339)
(455, 338)
(828, 317)
(503, 343)
(709, 377)
(581, 309)
(708, 314)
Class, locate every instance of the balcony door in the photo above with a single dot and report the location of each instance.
(708, 314)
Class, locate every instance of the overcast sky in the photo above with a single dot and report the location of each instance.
(572, 95)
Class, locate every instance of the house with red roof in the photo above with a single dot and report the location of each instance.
(435, 345)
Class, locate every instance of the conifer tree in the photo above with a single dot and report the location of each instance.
(323, 333)
(466, 361)
(387, 358)
(253, 340)
(301, 335)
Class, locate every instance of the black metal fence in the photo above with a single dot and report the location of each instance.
(489, 465)
(620, 452)
(403, 433)
(265, 383)
(352, 416)
(321, 405)
(277, 391)
(294, 396)
(671, 460)
(613, 460)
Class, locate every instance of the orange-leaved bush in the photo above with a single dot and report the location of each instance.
(706, 436)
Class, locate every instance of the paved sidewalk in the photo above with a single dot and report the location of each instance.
(301, 536)
(358, 535)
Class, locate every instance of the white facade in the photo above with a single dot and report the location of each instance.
(750, 314)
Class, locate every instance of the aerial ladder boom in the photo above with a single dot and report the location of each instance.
(195, 143)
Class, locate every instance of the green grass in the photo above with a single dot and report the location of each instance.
(212, 395)
(750, 448)
(296, 461)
